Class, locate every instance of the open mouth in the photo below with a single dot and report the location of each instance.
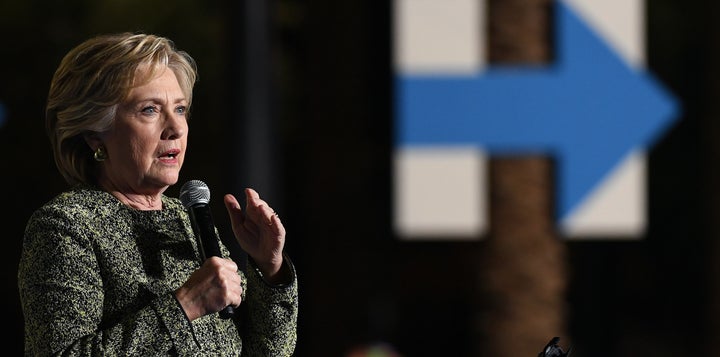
(170, 154)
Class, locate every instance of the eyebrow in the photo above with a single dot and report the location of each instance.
(158, 100)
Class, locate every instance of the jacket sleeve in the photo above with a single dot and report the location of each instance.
(269, 320)
(61, 293)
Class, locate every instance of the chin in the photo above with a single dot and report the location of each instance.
(165, 182)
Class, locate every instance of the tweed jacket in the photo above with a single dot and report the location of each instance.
(97, 277)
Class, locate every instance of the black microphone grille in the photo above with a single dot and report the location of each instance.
(194, 192)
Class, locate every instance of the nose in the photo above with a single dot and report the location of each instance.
(175, 126)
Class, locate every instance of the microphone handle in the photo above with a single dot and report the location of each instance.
(208, 241)
(227, 312)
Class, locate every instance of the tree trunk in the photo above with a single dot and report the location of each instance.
(523, 263)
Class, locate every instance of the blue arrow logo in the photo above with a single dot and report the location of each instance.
(589, 110)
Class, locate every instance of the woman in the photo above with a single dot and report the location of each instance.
(111, 266)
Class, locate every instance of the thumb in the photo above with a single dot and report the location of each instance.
(234, 210)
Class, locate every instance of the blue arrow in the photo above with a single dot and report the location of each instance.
(589, 110)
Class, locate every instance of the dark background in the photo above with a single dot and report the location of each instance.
(331, 178)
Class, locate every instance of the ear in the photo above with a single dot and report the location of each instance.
(93, 140)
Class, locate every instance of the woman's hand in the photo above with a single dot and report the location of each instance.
(211, 288)
(259, 233)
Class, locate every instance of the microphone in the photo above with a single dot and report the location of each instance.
(195, 196)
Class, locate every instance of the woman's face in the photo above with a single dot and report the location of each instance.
(146, 146)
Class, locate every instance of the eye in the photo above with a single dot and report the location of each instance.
(181, 109)
(151, 109)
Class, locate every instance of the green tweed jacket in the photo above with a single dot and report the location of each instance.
(97, 277)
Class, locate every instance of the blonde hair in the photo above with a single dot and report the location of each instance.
(92, 80)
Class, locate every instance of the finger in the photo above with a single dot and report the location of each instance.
(219, 263)
(234, 210)
(227, 280)
(257, 208)
(253, 199)
(277, 225)
(273, 219)
(231, 203)
(233, 286)
(230, 265)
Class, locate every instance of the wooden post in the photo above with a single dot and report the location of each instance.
(523, 262)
